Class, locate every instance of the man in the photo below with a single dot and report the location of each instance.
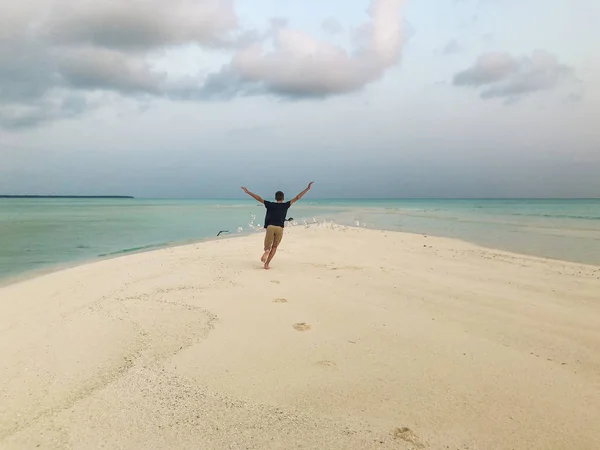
(275, 221)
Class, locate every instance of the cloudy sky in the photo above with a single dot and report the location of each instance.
(368, 98)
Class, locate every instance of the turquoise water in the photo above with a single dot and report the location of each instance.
(37, 234)
(551, 228)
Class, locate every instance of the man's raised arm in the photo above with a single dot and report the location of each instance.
(301, 194)
(256, 197)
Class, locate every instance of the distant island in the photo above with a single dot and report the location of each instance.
(65, 196)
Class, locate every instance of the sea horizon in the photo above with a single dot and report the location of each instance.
(242, 197)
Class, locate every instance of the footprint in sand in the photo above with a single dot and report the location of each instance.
(407, 435)
(275, 282)
(280, 300)
(326, 363)
(301, 326)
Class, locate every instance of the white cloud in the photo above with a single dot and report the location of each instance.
(300, 65)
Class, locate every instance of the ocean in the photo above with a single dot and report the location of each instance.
(43, 234)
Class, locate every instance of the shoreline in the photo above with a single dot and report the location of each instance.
(356, 339)
(45, 249)
(29, 275)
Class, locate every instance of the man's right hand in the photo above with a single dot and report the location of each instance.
(244, 189)
(310, 184)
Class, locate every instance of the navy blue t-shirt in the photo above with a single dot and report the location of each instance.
(276, 213)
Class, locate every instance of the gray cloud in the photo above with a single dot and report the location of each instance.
(506, 76)
(139, 25)
(489, 68)
(332, 26)
(488, 38)
(54, 52)
(90, 69)
(452, 47)
(245, 132)
(53, 106)
(301, 66)
(23, 78)
(573, 97)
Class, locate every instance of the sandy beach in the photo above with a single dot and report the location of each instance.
(356, 339)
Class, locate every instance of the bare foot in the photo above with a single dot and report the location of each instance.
(267, 267)
(264, 257)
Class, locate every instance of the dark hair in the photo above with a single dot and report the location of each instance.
(279, 196)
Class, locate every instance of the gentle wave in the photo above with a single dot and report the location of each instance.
(135, 249)
(556, 216)
(448, 214)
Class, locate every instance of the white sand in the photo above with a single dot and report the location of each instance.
(355, 339)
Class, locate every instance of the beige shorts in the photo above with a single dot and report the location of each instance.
(273, 236)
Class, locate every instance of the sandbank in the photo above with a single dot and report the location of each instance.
(356, 339)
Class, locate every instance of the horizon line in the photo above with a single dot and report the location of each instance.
(129, 197)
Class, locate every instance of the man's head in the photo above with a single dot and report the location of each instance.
(279, 196)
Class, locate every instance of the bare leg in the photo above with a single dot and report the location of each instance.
(263, 258)
(270, 257)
